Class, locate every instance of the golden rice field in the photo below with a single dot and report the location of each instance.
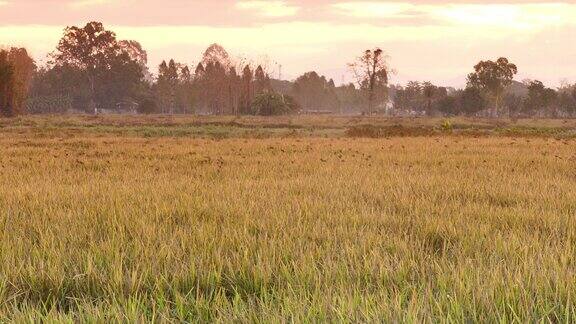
(217, 219)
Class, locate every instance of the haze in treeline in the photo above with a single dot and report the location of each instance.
(91, 71)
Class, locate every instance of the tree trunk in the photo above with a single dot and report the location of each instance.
(92, 102)
(370, 102)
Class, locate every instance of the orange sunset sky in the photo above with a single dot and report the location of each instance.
(426, 39)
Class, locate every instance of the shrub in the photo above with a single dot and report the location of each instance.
(147, 106)
(447, 125)
(273, 104)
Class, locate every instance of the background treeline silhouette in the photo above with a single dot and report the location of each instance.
(91, 71)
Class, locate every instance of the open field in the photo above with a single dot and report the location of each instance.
(302, 219)
(219, 127)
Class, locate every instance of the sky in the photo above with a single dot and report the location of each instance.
(425, 40)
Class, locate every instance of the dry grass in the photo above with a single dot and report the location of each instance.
(103, 222)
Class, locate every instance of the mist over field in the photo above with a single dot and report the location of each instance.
(270, 161)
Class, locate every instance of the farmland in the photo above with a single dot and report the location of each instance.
(306, 219)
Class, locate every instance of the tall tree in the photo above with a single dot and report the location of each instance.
(215, 80)
(313, 91)
(472, 101)
(261, 81)
(185, 90)
(410, 98)
(6, 84)
(137, 54)
(163, 88)
(174, 88)
(349, 98)
(493, 78)
(567, 99)
(540, 99)
(173, 82)
(429, 91)
(135, 51)
(16, 71)
(513, 103)
(199, 88)
(234, 86)
(247, 90)
(371, 72)
(96, 53)
(216, 53)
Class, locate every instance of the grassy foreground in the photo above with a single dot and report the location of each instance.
(289, 220)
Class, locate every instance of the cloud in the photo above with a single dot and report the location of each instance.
(377, 9)
(505, 15)
(87, 3)
(428, 39)
(268, 8)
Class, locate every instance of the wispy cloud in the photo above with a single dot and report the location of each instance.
(377, 9)
(270, 8)
(87, 3)
(511, 15)
(507, 15)
(430, 39)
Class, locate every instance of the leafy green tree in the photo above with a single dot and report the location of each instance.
(166, 84)
(6, 84)
(567, 100)
(261, 81)
(56, 85)
(540, 100)
(493, 78)
(350, 98)
(110, 69)
(429, 91)
(315, 92)
(293, 105)
(448, 105)
(472, 101)
(411, 97)
(16, 72)
(514, 104)
(246, 90)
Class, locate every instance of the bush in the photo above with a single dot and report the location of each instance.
(273, 104)
(447, 125)
(293, 105)
(147, 106)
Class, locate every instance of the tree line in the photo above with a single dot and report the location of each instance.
(491, 91)
(91, 71)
